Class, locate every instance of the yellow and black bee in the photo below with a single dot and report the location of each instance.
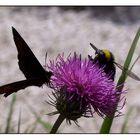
(105, 59)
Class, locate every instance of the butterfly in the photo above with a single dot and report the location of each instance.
(35, 74)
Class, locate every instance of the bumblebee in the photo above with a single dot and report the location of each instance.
(105, 59)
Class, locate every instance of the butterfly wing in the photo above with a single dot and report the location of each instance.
(14, 87)
(28, 63)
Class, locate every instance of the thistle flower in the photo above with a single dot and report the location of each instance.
(81, 88)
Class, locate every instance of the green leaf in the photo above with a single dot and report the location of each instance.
(19, 122)
(45, 124)
(124, 125)
(134, 62)
(7, 129)
(30, 128)
(33, 127)
(107, 123)
(129, 58)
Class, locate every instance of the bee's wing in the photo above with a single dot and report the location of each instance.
(128, 72)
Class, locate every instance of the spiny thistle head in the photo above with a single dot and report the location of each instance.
(82, 88)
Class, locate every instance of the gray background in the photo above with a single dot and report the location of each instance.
(66, 29)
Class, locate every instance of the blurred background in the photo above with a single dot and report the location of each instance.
(65, 29)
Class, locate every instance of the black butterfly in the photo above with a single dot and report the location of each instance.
(35, 74)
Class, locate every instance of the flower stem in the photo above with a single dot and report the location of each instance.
(106, 126)
(58, 122)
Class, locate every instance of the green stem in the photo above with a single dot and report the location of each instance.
(58, 122)
(106, 126)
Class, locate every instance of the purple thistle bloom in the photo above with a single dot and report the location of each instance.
(81, 79)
